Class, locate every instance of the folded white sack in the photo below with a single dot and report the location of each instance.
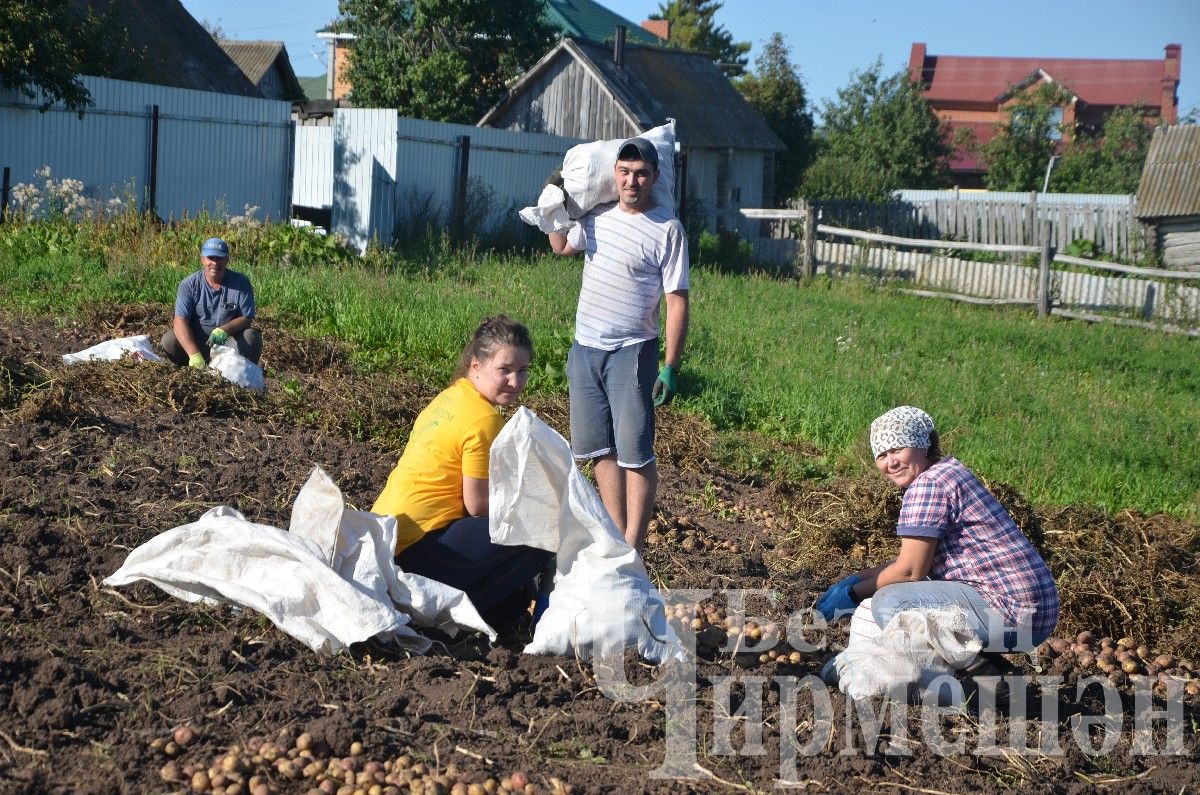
(137, 348)
(229, 362)
(603, 601)
(329, 584)
(550, 213)
(916, 647)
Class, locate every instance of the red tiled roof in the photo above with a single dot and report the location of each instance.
(1097, 81)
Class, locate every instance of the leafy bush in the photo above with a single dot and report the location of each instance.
(724, 252)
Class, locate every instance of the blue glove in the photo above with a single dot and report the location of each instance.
(852, 579)
(837, 600)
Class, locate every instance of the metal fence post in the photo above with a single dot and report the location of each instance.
(152, 187)
(810, 239)
(1043, 299)
(463, 142)
(4, 188)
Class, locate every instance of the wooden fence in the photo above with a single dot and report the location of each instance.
(996, 273)
(1105, 228)
(1108, 228)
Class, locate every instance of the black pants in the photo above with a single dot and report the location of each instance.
(249, 344)
(463, 556)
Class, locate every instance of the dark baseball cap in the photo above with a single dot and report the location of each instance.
(638, 149)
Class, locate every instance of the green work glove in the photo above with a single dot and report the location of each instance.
(664, 387)
(196, 360)
(219, 336)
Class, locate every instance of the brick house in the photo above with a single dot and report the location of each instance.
(972, 92)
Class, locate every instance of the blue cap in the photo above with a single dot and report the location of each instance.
(215, 247)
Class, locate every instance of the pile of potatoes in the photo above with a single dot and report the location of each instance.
(1118, 660)
(684, 533)
(717, 632)
(265, 766)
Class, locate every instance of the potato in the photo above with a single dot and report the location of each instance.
(1087, 636)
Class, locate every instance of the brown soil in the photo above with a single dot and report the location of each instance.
(98, 458)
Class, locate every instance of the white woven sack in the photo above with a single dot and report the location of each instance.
(588, 178)
(227, 361)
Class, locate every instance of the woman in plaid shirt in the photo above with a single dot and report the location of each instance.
(958, 546)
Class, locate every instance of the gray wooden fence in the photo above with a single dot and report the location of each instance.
(994, 273)
(1109, 228)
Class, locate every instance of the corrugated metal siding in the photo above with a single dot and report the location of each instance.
(364, 166)
(313, 182)
(215, 151)
(1170, 184)
(1018, 197)
(393, 173)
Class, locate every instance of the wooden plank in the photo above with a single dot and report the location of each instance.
(1122, 321)
(1112, 266)
(969, 299)
(919, 243)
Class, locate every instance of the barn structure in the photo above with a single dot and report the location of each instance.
(595, 92)
(1168, 196)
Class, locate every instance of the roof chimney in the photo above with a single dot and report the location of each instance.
(916, 63)
(619, 47)
(1173, 53)
(1169, 103)
(659, 27)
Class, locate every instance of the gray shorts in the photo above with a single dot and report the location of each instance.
(611, 407)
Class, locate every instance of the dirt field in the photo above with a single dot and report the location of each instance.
(95, 682)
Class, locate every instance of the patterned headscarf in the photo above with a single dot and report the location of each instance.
(903, 426)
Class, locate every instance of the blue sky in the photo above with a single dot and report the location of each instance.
(830, 40)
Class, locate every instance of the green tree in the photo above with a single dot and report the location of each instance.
(1017, 156)
(777, 93)
(878, 136)
(46, 44)
(693, 27)
(1109, 163)
(446, 60)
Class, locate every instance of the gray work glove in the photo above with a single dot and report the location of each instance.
(555, 178)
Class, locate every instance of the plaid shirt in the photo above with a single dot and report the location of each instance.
(979, 544)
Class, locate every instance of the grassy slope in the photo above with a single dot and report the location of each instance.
(1068, 412)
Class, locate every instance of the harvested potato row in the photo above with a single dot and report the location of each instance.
(263, 767)
(1118, 659)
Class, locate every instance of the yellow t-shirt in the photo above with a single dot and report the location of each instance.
(449, 439)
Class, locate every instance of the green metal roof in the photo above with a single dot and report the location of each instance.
(590, 21)
(313, 87)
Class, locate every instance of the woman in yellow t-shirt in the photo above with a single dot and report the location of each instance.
(438, 491)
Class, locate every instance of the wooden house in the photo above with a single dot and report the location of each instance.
(267, 66)
(173, 48)
(973, 93)
(592, 91)
(1168, 196)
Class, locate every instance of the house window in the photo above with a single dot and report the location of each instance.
(1056, 123)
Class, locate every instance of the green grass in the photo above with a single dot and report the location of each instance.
(1070, 413)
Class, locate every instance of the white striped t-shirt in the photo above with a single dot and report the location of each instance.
(630, 260)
